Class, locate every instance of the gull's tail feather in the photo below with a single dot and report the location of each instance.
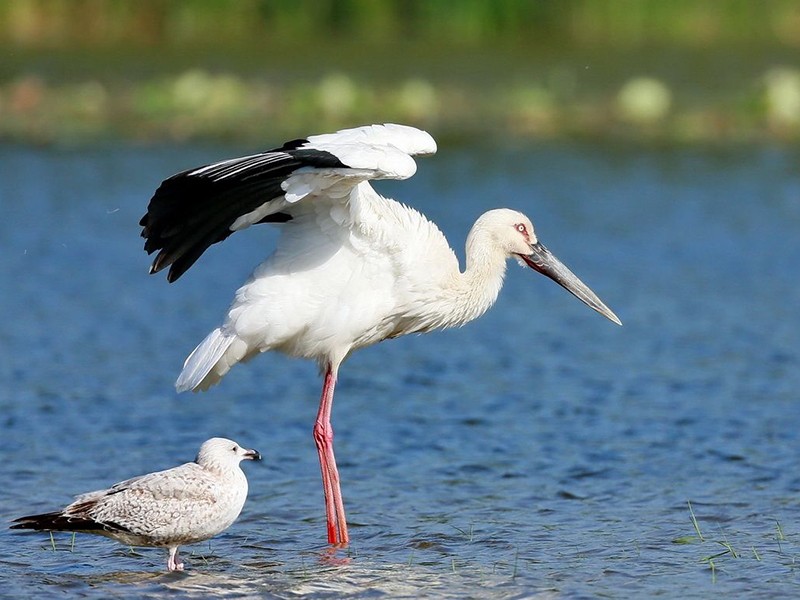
(54, 521)
(59, 521)
(211, 360)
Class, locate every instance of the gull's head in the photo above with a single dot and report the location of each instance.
(224, 453)
(511, 232)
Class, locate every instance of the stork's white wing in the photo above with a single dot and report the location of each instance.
(196, 208)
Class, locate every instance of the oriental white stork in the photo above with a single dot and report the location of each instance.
(351, 268)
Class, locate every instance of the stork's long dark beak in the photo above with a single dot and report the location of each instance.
(542, 260)
(252, 455)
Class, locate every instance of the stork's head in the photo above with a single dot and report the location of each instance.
(512, 232)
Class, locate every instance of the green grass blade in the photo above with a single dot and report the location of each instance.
(694, 522)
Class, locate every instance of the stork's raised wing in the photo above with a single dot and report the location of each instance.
(196, 208)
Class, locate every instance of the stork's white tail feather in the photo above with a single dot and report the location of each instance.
(209, 362)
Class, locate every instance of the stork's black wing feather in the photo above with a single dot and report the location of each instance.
(194, 209)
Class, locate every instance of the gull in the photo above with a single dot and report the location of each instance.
(183, 505)
(350, 269)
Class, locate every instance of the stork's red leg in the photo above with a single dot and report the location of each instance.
(323, 437)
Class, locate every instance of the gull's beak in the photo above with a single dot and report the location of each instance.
(252, 455)
(540, 259)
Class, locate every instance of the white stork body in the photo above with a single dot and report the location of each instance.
(350, 269)
(389, 273)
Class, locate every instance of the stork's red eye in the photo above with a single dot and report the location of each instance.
(521, 228)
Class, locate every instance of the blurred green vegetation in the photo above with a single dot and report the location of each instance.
(686, 70)
(97, 23)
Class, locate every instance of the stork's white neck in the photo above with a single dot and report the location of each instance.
(475, 289)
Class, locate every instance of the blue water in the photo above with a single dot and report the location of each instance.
(539, 452)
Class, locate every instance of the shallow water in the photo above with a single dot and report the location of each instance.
(538, 452)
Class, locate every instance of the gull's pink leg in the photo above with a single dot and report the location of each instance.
(172, 561)
(323, 437)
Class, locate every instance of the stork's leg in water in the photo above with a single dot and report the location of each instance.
(323, 437)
